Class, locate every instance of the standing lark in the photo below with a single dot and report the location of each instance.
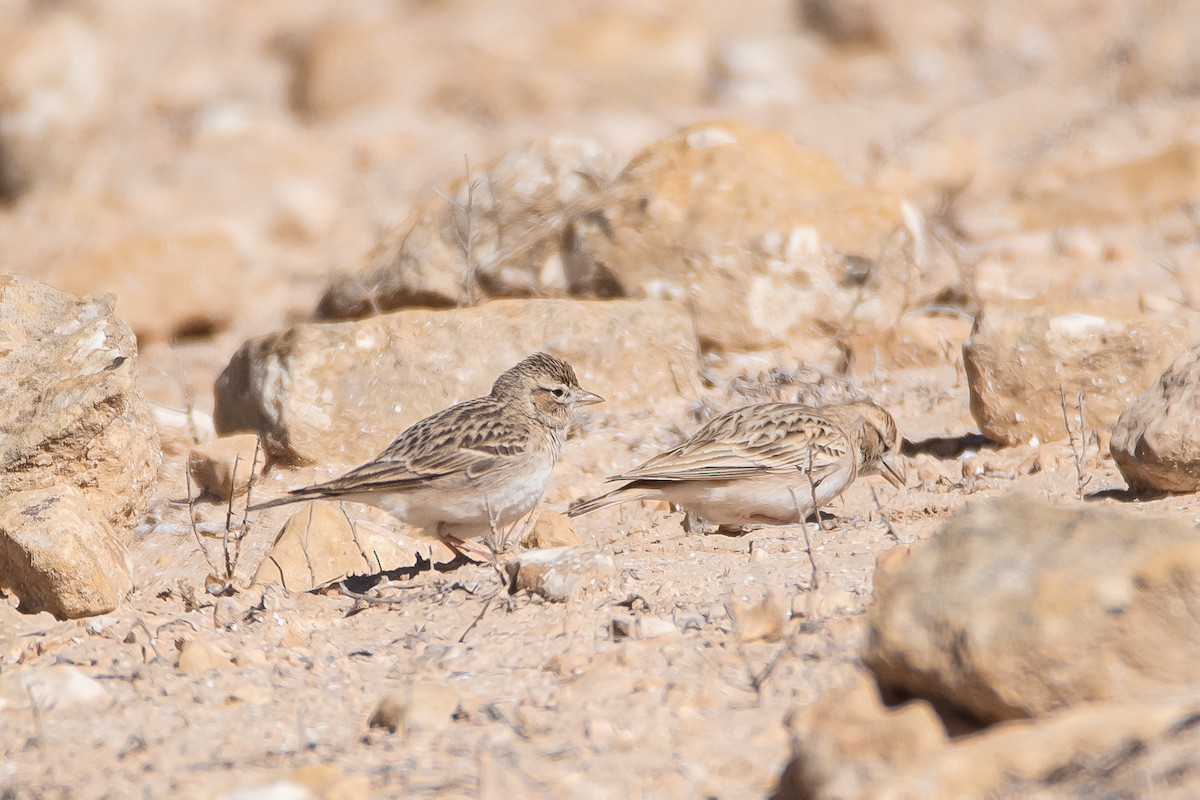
(475, 468)
(767, 464)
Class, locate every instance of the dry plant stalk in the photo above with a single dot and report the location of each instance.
(1078, 444)
(232, 534)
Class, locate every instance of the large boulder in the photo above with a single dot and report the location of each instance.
(848, 745)
(340, 392)
(72, 412)
(1024, 356)
(55, 90)
(1156, 441)
(498, 233)
(1018, 608)
(765, 242)
(57, 556)
(166, 286)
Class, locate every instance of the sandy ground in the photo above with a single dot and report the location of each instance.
(545, 699)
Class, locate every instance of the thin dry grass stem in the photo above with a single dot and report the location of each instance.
(191, 504)
(487, 606)
(1078, 443)
(496, 541)
(189, 398)
(229, 560)
(757, 679)
(151, 638)
(464, 234)
(887, 523)
(36, 709)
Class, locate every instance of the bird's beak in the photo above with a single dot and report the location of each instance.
(892, 471)
(585, 398)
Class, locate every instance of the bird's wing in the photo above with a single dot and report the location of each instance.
(468, 438)
(755, 440)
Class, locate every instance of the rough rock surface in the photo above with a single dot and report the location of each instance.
(991, 616)
(1156, 443)
(341, 392)
(56, 89)
(764, 241)
(848, 745)
(222, 468)
(166, 286)
(1021, 352)
(498, 233)
(319, 545)
(562, 573)
(552, 529)
(57, 556)
(72, 412)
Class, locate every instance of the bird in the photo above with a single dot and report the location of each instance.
(475, 468)
(765, 464)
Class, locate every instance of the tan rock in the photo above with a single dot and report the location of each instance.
(340, 393)
(562, 573)
(498, 233)
(848, 745)
(72, 412)
(766, 242)
(552, 529)
(55, 686)
(55, 74)
(319, 545)
(1018, 608)
(1155, 442)
(201, 655)
(215, 465)
(58, 556)
(760, 622)
(1120, 192)
(166, 286)
(1020, 353)
(422, 705)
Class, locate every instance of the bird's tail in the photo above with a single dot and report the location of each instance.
(626, 494)
(294, 496)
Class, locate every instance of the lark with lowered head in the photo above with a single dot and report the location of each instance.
(766, 464)
(474, 468)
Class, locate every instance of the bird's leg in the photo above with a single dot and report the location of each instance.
(524, 525)
(469, 549)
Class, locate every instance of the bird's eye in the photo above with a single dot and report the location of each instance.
(558, 392)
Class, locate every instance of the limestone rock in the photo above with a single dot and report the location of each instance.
(766, 242)
(422, 705)
(1017, 608)
(498, 234)
(199, 655)
(1021, 352)
(72, 412)
(1155, 442)
(552, 529)
(57, 556)
(318, 545)
(56, 686)
(1120, 192)
(759, 622)
(340, 393)
(212, 465)
(54, 91)
(166, 286)
(848, 745)
(562, 573)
